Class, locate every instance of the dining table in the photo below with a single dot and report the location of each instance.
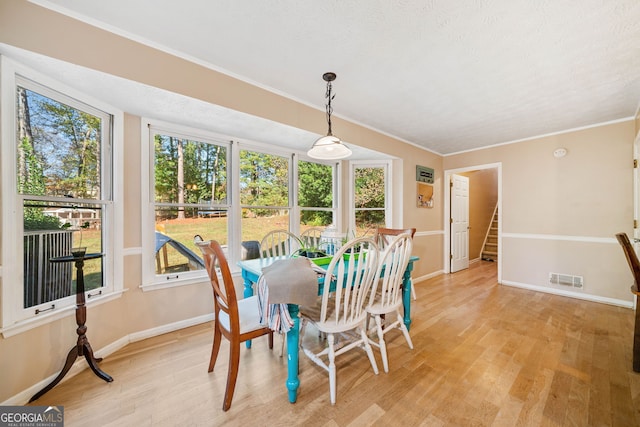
(251, 271)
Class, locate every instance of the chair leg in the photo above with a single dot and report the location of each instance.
(232, 375)
(271, 340)
(636, 337)
(369, 350)
(405, 331)
(332, 370)
(217, 337)
(284, 339)
(382, 344)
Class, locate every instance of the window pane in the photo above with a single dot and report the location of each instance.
(174, 247)
(59, 158)
(315, 218)
(368, 220)
(369, 187)
(315, 185)
(53, 229)
(58, 148)
(188, 171)
(264, 180)
(256, 223)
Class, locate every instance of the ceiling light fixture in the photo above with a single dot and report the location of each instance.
(329, 147)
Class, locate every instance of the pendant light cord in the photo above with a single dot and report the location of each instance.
(328, 108)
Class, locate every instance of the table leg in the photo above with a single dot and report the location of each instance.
(293, 340)
(248, 292)
(406, 295)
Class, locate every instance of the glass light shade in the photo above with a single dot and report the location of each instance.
(329, 148)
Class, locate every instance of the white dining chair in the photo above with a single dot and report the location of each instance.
(279, 243)
(342, 307)
(385, 235)
(386, 297)
(312, 237)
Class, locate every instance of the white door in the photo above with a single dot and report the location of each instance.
(459, 222)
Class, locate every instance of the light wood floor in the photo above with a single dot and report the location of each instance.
(485, 355)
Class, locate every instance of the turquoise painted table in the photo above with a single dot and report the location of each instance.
(251, 270)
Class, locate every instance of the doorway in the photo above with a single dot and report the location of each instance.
(452, 234)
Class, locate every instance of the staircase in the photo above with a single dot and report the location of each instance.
(490, 247)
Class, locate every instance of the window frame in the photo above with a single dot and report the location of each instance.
(387, 166)
(151, 280)
(335, 189)
(16, 318)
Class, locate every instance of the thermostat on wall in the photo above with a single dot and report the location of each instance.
(424, 174)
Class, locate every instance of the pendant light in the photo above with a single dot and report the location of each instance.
(329, 147)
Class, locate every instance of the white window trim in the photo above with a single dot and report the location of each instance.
(14, 318)
(150, 280)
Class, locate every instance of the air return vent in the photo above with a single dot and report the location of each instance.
(565, 280)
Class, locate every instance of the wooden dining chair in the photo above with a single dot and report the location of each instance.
(385, 235)
(236, 320)
(279, 243)
(634, 265)
(386, 296)
(342, 308)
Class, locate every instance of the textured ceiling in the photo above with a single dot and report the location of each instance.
(446, 75)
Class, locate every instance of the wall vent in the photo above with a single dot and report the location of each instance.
(566, 280)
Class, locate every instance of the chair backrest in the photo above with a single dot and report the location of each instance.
(348, 283)
(384, 236)
(312, 238)
(630, 254)
(279, 243)
(392, 264)
(224, 293)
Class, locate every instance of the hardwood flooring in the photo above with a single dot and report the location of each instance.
(485, 355)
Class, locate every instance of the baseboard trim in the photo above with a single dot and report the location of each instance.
(577, 295)
(426, 276)
(23, 397)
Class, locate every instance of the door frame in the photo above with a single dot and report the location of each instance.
(447, 212)
(636, 192)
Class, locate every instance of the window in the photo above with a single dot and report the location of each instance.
(230, 191)
(315, 195)
(369, 197)
(62, 192)
(264, 193)
(189, 197)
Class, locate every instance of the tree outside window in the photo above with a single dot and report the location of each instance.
(315, 195)
(369, 198)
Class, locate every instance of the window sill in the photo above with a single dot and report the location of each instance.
(34, 322)
(198, 279)
(173, 283)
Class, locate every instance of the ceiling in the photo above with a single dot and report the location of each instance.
(447, 76)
